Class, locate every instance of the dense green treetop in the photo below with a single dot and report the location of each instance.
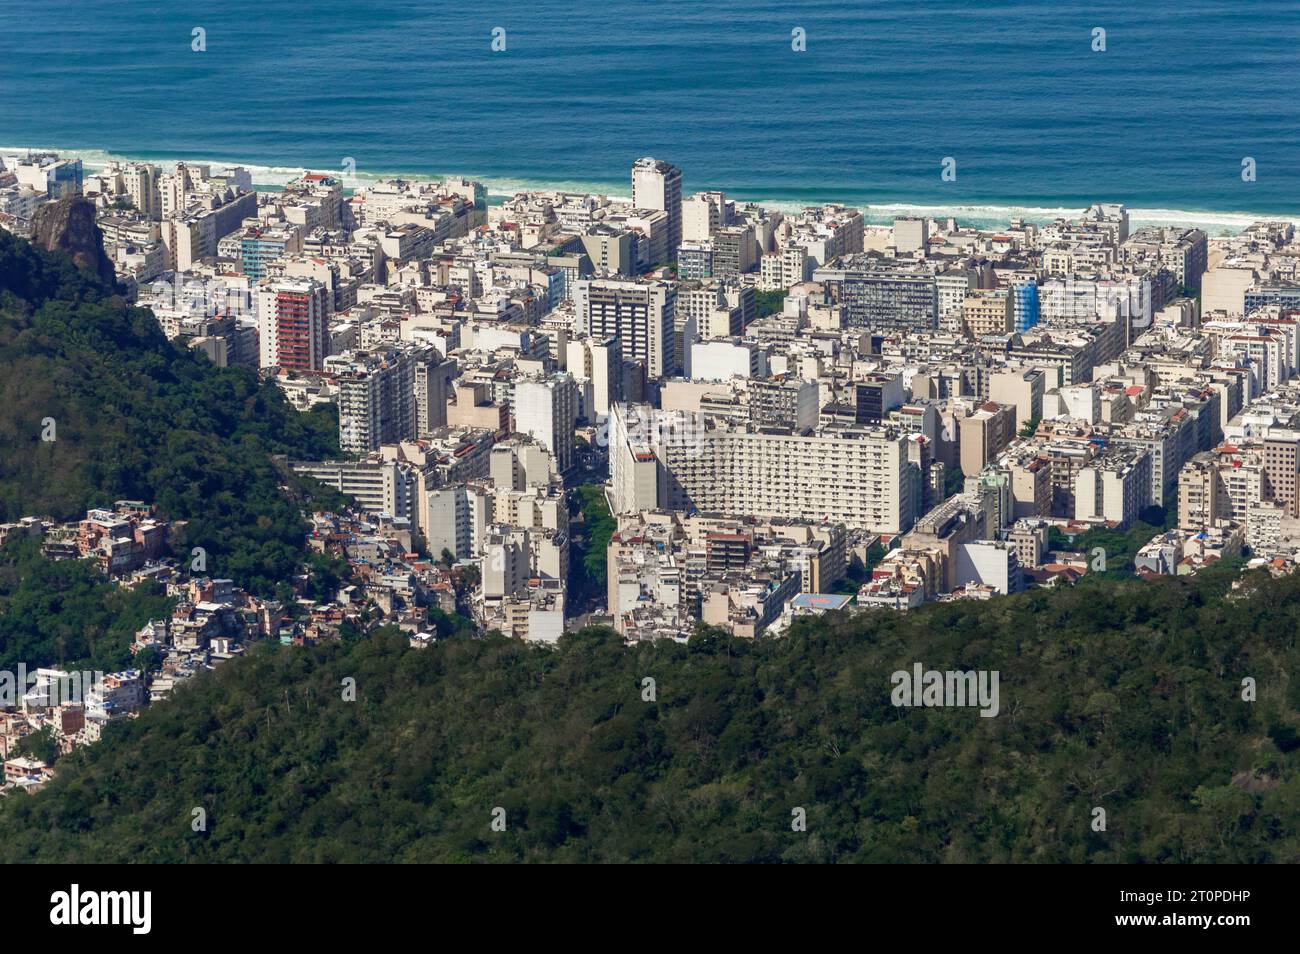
(1121, 695)
(136, 416)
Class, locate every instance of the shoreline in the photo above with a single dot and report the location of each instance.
(985, 216)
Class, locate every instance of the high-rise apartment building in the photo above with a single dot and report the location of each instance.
(140, 180)
(1183, 251)
(597, 366)
(1025, 309)
(734, 251)
(434, 377)
(379, 486)
(952, 287)
(658, 185)
(639, 314)
(1022, 389)
(1282, 465)
(547, 411)
(911, 235)
(377, 395)
(882, 295)
(1114, 487)
(703, 214)
(293, 324)
(679, 462)
(783, 402)
(983, 434)
(259, 246)
(986, 312)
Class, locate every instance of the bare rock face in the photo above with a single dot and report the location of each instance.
(68, 225)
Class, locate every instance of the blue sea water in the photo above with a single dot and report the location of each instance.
(1035, 119)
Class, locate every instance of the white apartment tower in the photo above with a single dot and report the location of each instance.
(703, 214)
(658, 185)
(140, 179)
(598, 367)
(293, 324)
(433, 376)
(639, 314)
(547, 411)
(911, 235)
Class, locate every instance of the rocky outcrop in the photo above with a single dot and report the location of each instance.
(68, 225)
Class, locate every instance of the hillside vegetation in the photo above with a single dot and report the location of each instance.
(1125, 696)
(64, 613)
(138, 417)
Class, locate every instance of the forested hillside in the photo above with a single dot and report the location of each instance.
(136, 416)
(63, 612)
(1124, 696)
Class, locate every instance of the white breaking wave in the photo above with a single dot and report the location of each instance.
(269, 176)
(981, 216)
(1210, 221)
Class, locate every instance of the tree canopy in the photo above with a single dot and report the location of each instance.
(136, 416)
(1120, 695)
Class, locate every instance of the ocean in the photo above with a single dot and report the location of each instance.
(1039, 123)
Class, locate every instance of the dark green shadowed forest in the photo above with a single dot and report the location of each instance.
(1125, 696)
(138, 417)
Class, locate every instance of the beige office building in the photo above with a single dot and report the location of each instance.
(987, 312)
(857, 476)
(1023, 390)
(983, 434)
